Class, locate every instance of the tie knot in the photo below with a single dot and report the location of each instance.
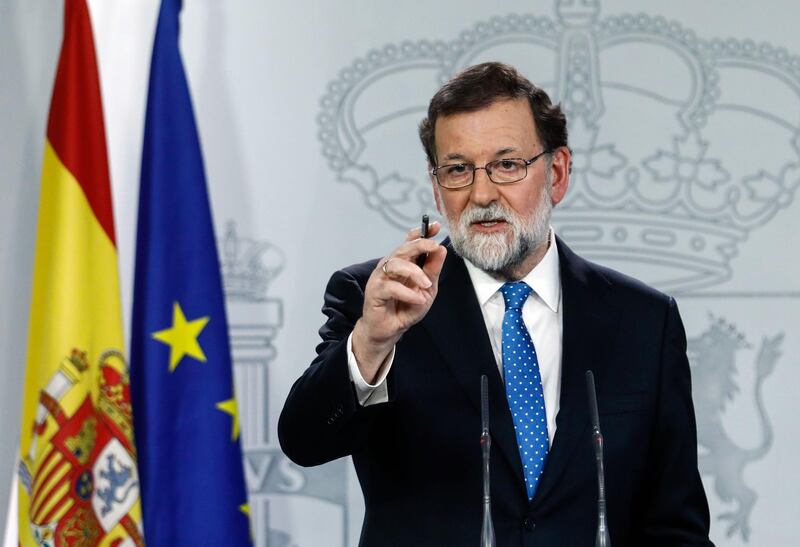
(515, 294)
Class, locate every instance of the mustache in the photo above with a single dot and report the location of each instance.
(494, 211)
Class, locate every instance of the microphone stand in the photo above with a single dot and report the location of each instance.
(487, 528)
(602, 539)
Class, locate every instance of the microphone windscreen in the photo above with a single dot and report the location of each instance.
(592, 400)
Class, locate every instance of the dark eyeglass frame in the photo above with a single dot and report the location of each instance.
(488, 168)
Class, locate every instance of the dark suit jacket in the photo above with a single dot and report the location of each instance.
(418, 456)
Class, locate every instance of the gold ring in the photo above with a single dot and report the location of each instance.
(383, 268)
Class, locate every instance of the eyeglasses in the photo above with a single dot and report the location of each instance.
(504, 171)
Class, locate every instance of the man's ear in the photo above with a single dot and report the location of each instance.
(559, 171)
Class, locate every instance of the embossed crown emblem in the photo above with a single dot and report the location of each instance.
(673, 165)
(247, 266)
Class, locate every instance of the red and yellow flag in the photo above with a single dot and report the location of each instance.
(78, 483)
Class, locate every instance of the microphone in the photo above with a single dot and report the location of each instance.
(602, 539)
(487, 528)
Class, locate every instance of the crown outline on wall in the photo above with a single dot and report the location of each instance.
(676, 197)
(247, 266)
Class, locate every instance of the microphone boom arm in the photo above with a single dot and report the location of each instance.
(487, 527)
(602, 539)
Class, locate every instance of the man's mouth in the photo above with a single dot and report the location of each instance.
(489, 223)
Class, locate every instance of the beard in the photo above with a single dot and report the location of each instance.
(500, 254)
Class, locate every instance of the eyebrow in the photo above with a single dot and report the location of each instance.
(460, 157)
(504, 151)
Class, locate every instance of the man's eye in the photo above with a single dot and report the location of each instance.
(507, 165)
(457, 169)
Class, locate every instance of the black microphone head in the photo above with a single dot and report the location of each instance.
(484, 403)
(592, 394)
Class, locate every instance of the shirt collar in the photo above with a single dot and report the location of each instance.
(544, 278)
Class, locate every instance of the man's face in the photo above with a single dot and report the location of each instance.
(502, 229)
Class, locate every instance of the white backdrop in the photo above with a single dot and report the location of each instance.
(684, 122)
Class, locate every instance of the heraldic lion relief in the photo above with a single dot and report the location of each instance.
(713, 357)
(80, 473)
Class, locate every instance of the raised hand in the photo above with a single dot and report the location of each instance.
(398, 294)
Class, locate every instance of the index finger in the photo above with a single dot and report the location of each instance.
(433, 229)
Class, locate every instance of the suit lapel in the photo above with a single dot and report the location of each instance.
(456, 325)
(589, 323)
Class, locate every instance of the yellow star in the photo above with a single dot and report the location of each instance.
(245, 508)
(229, 407)
(182, 337)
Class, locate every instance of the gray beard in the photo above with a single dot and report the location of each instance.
(494, 253)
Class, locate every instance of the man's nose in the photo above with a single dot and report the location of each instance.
(484, 191)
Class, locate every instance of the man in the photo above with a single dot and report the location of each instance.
(396, 383)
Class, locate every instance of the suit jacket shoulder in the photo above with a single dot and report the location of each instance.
(626, 293)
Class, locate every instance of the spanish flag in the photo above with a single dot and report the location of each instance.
(78, 481)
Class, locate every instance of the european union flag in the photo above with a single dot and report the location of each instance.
(185, 413)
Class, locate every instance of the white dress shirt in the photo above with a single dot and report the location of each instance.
(542, 314)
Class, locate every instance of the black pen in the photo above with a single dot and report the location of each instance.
(423, 233)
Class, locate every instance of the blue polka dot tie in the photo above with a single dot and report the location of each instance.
(524, 386)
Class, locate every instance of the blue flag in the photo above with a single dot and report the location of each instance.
(185, 413)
